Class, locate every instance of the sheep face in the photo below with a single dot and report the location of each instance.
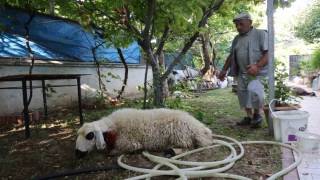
(88, 137)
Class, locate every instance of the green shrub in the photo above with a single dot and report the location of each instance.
(304, 63)
(315, 60)
(281, 90)
(311, 64)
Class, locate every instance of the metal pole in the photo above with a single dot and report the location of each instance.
(79, 100)
(270, 59)
(25, 107)
(44, 100)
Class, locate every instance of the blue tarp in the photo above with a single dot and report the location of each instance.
(56, 38)
(185, 61)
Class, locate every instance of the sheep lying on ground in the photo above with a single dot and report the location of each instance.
(301, 92)
(129, 130)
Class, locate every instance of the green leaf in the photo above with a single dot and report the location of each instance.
(275, 4)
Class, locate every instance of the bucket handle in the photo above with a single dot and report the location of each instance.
(279, 101)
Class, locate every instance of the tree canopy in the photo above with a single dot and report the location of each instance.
(149, 22)
(308, 26)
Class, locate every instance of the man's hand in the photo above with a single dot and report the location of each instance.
(222, 75)
(253, 69)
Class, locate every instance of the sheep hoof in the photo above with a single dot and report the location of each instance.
(169, 153)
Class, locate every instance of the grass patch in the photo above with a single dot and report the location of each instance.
(50, 148)
(220, 110)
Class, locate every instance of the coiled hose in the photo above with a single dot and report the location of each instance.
(201, 169)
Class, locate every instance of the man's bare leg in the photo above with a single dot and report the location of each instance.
(257, 111)
(249, 112)
(257, 118)
(246, 120)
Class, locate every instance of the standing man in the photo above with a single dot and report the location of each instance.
(248, 61)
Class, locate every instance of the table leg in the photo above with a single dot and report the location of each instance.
(25, 107)
(79, 100)
(44, 100)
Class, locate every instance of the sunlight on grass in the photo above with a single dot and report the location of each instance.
(220, 110)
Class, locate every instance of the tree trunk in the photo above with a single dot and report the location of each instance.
(215, 65)
(125, 73)
(205, 42)
(157, 79)
(163, 66)
(157, 88)
(31, 14)
(205, 58)
(145, 44)
(145, 86)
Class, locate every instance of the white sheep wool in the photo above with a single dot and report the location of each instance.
(152, 130)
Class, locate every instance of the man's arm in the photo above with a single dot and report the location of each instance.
(225, 68)
(255, 68)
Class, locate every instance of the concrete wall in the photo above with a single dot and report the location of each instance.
(11, 99)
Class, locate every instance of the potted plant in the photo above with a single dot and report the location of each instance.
(281, 91)
(310, 66)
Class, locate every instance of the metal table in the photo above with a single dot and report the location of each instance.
(43, 77)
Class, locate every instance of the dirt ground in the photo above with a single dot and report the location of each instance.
(51, 146)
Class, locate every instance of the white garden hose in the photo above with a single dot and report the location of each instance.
(204, 169)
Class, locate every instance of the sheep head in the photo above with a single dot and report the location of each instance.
(89, 135)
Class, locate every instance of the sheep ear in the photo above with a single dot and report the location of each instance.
(100, 143)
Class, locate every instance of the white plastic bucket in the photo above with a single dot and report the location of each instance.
(308, 142)
(286, 124)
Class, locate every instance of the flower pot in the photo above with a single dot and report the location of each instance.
(278, 108)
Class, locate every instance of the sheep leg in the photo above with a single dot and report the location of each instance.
(201, 141)
(126, 147)
(169, 153)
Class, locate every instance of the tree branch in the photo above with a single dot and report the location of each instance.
(32, 14)
(181, 55)
(28, 39)
(163, 39)
(125, 73)
(205, 42)
(128, 25)
(213, 8)
(187, 46)
(148, 19)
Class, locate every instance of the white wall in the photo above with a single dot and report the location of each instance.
(11, 99)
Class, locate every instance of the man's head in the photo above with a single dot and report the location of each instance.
(243, 23)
